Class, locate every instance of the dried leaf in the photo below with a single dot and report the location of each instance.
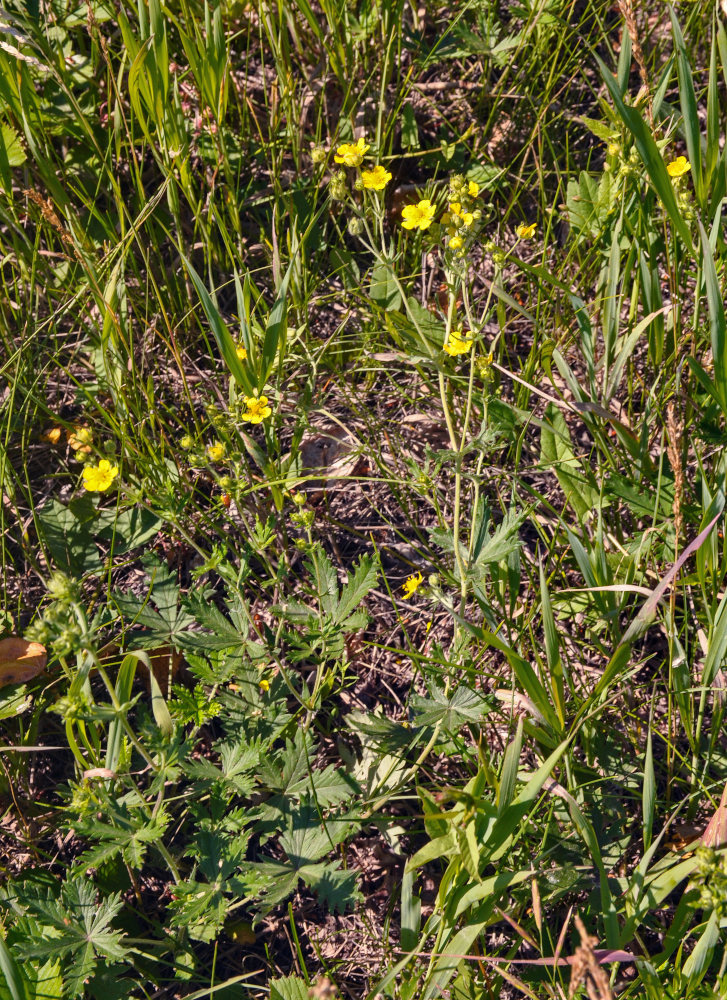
(716, 833)
(20, 660)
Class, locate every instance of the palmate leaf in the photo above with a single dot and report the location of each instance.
(463, 707)
(130, 838)
(275, 881)
(222, 633)
(159, 614)
(306, 841)
(82, 932)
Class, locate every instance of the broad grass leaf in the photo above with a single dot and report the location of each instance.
(556, 451)
(411, 912)
(12, 972)
(222, 335)
(20, 660)
(698, 962)
(717, 322)
(690, 114)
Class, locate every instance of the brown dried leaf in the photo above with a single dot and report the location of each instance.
(716, 833)
(20, 660)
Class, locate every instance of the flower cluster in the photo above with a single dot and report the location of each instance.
(351, 155)
(57, 625)
(711, 877)
(462, 215)
(459, 220)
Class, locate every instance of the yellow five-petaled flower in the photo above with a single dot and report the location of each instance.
(457, 344)
(524, 232)
(97, 479)
(678, 167)
(376, 179)
(351, 154)
(412, 584)
(467, 218)
(257, 409)
(419, 216)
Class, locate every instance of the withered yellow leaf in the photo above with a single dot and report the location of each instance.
(20, 660)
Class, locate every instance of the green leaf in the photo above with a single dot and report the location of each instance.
(289, 988)
(717, 322)
(357, 587)
(275, 330)
(690, 113)
(14, 979)
(409, 130)
(383, 289)
(464, 706)
(510, 764)
(556, 452)
(698, 962)
(223, 337)
(69, 541)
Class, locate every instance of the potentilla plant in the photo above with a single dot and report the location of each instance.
(448, 229)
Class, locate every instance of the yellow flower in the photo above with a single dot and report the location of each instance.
(264, 685)
(97, 479)
(257, 409)
(52, 435)
(216, 452)
(468, 218)
(80, 439)
(455, 208)
(473, 189)
(457, 344)
(375, 179)
(412, 584)
(678, 167)
(524, 232)
(351, 154)
(418, 216)
(455, 243)
(241, 352)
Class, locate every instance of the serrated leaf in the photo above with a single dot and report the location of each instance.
(358, 586)
(289, 988)
(463, 707)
